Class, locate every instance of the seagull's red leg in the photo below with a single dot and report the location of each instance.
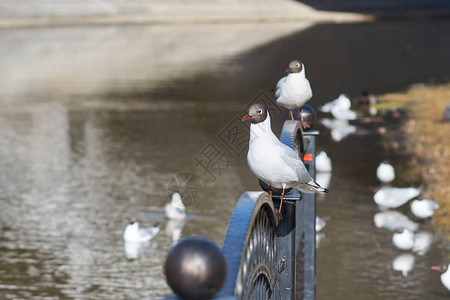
(270, 192)
(281, 204)
(304, 124)
(292, 115)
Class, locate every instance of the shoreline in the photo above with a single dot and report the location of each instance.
(214, 14)
(426, 137)
(177, 18)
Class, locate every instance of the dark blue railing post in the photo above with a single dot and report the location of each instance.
(305, 232)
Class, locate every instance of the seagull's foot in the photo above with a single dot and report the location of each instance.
(292, 115)
(304, 124)
(278, 213)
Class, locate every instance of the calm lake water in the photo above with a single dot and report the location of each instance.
(95, 122)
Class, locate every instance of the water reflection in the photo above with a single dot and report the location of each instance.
(94, 128)
(339, 129)
(393, 220)
(403, 263)
(174, 229)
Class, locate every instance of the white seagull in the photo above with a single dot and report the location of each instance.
(445, 276)
(392, 197)
(272, 161)
(385, 172)
(343, 114)
(175, 209)
(294, 89)
(342, 102)
(133, 233)
(403, 239)
(424, 208)
(323, 162)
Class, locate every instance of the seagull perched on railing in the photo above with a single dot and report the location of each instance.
(133, 233)
(272, 161)
(294, 90)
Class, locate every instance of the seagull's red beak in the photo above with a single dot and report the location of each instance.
(288, 70)
(246, 117)
(435, 268)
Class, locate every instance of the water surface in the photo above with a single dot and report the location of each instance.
(95, 122)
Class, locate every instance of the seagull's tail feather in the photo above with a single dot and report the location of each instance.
(318, 187)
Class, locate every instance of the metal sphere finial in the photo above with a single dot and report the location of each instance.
(195, 268)
(309, 114)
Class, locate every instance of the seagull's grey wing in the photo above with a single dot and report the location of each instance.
(280, 84)
(431, 204)
(150, 231)
(180, 210)
(326, 108)
(305, 182)
(291, 158)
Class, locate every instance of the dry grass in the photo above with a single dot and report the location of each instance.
(428, 139)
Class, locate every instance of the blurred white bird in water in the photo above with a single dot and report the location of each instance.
(403, 239)
(133, 233)
(385, 172)
(393, 197)
(323, 179)
(320, 223)
(323, 162)
(342, 102)
(424, 208)
(175, 209)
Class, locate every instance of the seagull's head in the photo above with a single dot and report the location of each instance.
(131, 221)
(257, 113)
(295, 66)
(441, 269)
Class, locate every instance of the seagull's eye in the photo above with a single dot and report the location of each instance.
(259, 111)
(298, 65)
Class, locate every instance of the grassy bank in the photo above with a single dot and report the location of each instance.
(427, 138)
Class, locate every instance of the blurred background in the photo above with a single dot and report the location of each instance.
(104, 102)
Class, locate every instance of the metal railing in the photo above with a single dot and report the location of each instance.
(270, 258)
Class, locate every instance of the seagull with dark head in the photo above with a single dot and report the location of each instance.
(294, 89)
(272, 161)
